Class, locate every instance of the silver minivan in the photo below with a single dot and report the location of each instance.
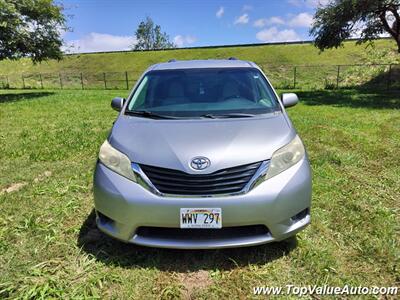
(202, 155)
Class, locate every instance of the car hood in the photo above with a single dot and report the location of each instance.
(225, 142)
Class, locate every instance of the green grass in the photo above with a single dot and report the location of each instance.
(297, 54)
(49, 246)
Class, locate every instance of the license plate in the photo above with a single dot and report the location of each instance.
(201, 218)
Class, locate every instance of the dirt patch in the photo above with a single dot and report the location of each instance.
(193, 282)
(42, 176)
(15, 187)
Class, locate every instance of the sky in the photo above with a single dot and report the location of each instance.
(109, 25)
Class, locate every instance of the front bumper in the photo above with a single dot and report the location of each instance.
(280, 203)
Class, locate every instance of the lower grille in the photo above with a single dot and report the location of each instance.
(201, 234)
(225, 181)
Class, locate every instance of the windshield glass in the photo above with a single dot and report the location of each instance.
(199, 92)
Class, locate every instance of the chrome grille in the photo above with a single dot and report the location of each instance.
(225, 181)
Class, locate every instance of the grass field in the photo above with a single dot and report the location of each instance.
(49, 246)
(296, 54)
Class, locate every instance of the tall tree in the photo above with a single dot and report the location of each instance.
(149, 36)
(368, 19)
(31, 28)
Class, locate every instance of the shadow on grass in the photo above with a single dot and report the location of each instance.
(111, 251)
(13, 97)
(359, 98)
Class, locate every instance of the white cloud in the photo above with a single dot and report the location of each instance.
(243, 19)
(260, 23)
(294, 2)
(270, 21)
(390, 18)
(317, 3)
(94, 42)
(309, 3)
(301, 20)
(184, 40)
(220, 12)
(357, 30)
(63, 31)
(247, 7)
(359, 27)
(274, 35)
(276, 20)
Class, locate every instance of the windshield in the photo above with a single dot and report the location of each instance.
(204, 92)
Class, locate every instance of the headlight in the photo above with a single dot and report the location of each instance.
(285, 157)
(116, 161)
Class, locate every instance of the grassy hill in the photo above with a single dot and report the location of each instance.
(294, 54)
(277, 60)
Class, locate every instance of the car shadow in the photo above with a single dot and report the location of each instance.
(114, 252)
(356, 98)
(13, 97)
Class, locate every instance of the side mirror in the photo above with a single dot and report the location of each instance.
(289, 99)
(117, 103)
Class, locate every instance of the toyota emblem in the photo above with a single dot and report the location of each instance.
(200, 163)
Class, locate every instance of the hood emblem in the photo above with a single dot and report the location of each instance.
(200, 163)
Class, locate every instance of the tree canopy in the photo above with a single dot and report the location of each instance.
(31, 28)
(363, 19)
(149, 36)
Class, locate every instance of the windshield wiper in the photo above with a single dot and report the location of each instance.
(229, 115)
(148, 114)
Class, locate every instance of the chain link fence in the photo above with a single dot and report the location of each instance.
(377, 76)
(381, 76)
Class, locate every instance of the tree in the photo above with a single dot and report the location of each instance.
(31, 28)
(149, 37)
(368, 19)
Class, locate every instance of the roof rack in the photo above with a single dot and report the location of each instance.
(232, 58)
(172, 60)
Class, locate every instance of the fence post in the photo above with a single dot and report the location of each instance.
(41, 80)
(105, 81)
(294, 77)
(338, 76)
(81, 80)
(61, 83)
(126, 80)
(8, 82)
(389, 81)
(23, 81)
